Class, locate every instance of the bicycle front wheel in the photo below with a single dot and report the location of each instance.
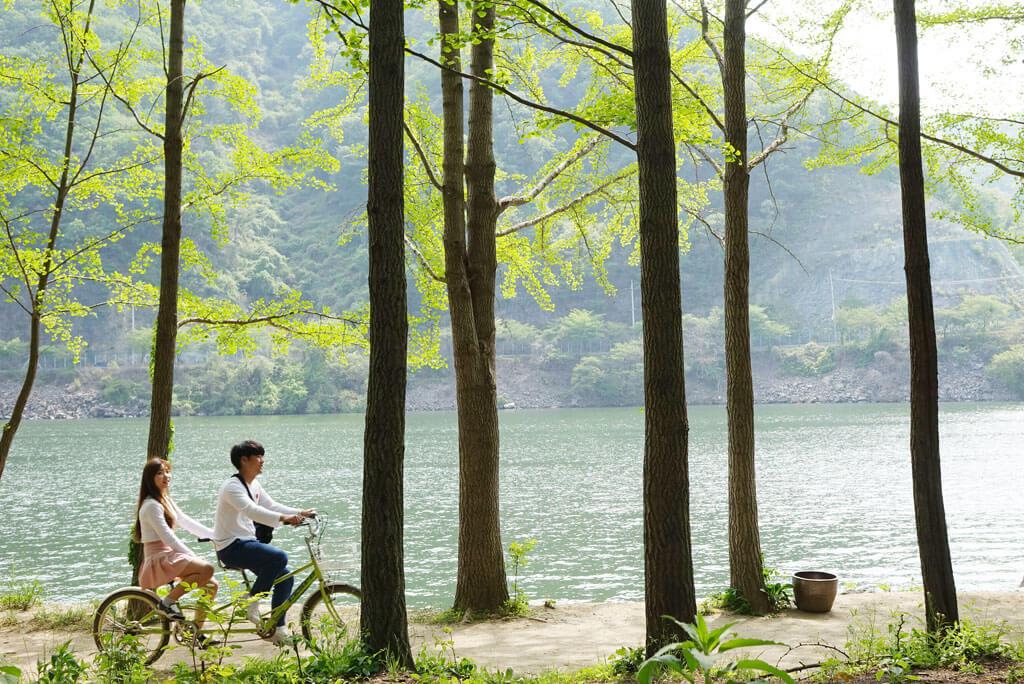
(129, 620)
(331, 615)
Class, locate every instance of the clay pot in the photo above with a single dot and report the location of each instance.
(814, 591)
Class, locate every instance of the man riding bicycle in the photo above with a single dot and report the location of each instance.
(242, 502)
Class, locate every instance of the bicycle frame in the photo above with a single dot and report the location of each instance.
(316, 530)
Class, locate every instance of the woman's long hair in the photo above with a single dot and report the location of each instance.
(148, 489)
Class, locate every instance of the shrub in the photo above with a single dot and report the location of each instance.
(20, 595)
(1008, 368)
(811, 359)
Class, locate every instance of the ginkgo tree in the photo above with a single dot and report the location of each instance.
(73, 181)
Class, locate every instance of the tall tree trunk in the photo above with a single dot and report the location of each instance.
(164, 346)
(384, 621)
(932, 539)
(384, 624)
(63, 187)
(481, 583)
(745, 565)
(668, 564)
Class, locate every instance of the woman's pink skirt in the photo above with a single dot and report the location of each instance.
(161, 565)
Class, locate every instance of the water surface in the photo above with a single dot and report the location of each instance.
(833, 485)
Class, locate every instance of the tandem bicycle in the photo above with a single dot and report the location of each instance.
(134, 612)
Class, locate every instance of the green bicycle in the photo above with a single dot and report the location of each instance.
(134, 612)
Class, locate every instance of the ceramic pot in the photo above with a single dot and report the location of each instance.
(814, 591)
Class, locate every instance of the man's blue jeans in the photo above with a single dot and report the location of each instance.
(268, 562)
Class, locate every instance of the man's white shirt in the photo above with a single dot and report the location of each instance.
(236, 512)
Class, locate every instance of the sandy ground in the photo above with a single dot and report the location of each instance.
(573, 636)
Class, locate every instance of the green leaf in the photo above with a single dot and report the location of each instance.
(762, 666)
(742, 643)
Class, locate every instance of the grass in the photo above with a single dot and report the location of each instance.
(452, 616)
(62, 618)
(20, 595)
(895, 651)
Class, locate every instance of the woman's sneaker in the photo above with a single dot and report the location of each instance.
(171, 611)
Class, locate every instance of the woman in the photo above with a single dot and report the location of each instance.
(165, 557)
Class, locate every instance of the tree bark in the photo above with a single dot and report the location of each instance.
(166, 335)
(668, 564)
(745, 564)
(933, 542)
(37, 303)
(471, 267)
(384, 622)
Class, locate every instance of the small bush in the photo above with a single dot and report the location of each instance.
(626, 661)
(21, 595)
(809, 360)
(65, 618)
(123, 664)
(1008, 368)
(63, 667)
(780, 596)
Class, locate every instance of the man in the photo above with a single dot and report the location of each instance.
(241, 502)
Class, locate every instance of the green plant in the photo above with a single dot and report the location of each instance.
(20, 595)
(780, 596)
(626, 661)
(517, 605)
(63, 667)
(702, 655)
(338, 654)
(65, 618)
(441, 664)
(9, 674)
(121, 663)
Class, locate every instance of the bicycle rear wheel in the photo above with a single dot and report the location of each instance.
(129, 619)
(331, 615)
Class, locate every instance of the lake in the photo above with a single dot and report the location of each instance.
(833, 484)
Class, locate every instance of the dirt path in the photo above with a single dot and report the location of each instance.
(573, 636)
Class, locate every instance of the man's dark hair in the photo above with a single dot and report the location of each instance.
(249, 447)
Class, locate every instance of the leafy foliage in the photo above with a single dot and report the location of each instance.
(702, 655)
(1008, 367)
(20, 595)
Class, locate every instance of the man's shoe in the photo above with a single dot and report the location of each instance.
(205, 641)
(253, 613)
(171, 611)
(281, 637)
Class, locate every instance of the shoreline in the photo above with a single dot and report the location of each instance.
(572, 636)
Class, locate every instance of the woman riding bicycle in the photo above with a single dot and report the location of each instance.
(165, 557)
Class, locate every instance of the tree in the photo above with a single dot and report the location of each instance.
(668, 562)
(746, 573)
(933, 542)
(745, 566)
(166, 332)
(46, 174)
(470, 250)
(383, 617)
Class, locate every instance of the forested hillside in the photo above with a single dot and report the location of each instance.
(826, 266)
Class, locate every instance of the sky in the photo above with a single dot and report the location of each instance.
(971, 69)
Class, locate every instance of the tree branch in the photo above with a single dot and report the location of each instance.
(889, 122)
(578, 31)
(270, 319)
(527, 103)
(783, 135)
(423, 260)
(518, 200)
(706, 35)
(423, 157)
(565, 207)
